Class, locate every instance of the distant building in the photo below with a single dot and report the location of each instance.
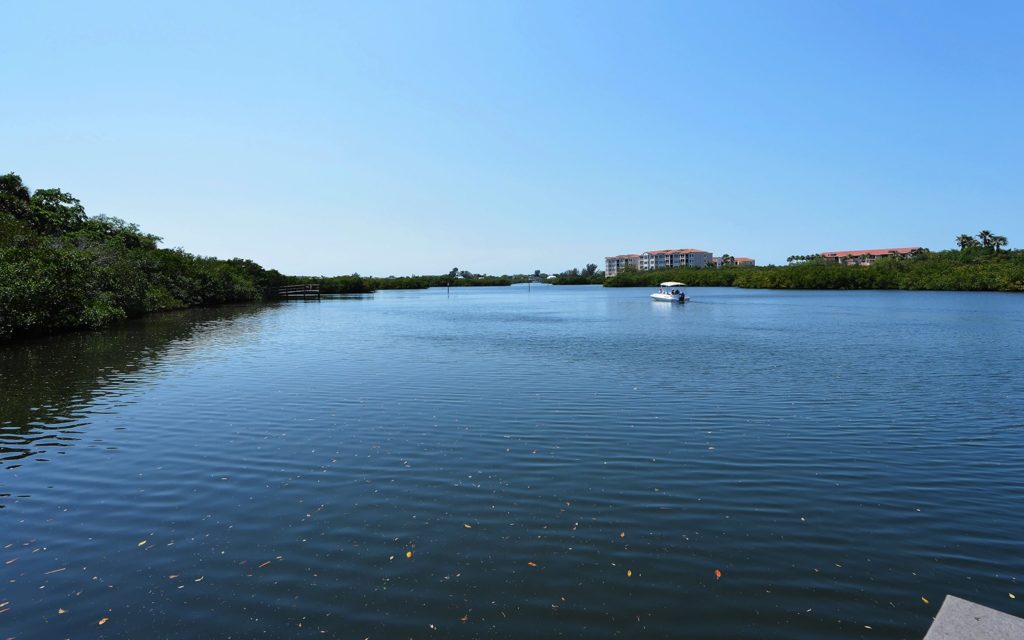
(661, 259)
(865, 257)
(721, 261)
(669, 258)
(614, 265)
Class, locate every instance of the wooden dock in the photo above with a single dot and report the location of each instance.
(299, 292)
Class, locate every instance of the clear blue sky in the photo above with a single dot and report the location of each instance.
(394, 138)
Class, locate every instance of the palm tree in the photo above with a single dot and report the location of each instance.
(965, 241)
(999, 241)
(985, 236)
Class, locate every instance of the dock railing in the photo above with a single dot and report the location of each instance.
(299, 292)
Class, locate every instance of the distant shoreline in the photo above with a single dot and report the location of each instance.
(976, 269)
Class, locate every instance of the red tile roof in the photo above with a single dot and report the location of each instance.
(666, 251)
(869, 252)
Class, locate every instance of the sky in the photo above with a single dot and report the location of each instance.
(391, 138)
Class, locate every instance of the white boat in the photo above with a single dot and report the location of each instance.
(670, 292)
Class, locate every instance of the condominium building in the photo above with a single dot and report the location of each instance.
(668, 258)
(614, 265)
(865, 257)
(661, 259)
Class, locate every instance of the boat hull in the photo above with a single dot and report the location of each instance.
(669, 297)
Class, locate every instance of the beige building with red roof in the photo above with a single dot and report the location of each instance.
(668, 258)
(614, 265)
(865, 257)
(730, 261)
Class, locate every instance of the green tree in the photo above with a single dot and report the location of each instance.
(56, 211)
(965, 241)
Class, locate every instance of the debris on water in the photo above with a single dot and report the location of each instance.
(103, 621)
(718, 574)
(532, 564)
(924, 600)
(408, 554)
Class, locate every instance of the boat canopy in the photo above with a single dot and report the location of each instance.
(673, 284)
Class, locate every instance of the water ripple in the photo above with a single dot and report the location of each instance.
(568, 462)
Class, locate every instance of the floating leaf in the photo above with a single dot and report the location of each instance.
(532, 564)
(408, 554)
(629, 573)
(924, 599)
(622, 534)
(61, 612)
(468, 526)
(142, 543)
(718, 574)
(1012, 597)
(103, 620)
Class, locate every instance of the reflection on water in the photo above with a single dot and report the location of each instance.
(510, 463)
(47, 384)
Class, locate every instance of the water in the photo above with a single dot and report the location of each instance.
(562, 462)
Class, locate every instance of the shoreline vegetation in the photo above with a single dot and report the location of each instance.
(62, 270)
(971, 268)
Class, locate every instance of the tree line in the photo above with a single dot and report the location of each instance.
(587, 275)
(356, 283)
(62, 269)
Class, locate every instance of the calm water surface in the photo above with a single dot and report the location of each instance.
(503, 463)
